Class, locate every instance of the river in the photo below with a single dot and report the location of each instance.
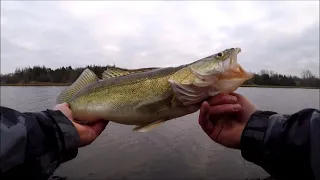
(178, 149)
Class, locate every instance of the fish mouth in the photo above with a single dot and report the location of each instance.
(235, 70)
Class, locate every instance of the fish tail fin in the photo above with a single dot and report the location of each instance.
(86, 77)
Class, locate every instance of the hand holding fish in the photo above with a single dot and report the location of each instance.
(87, 133)
(223, 118)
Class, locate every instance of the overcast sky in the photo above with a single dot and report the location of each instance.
(279, 36)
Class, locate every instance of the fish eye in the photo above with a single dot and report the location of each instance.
(220, 54)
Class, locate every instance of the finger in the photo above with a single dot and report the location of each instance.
(65, 104)
(217, 125)
(222, 99)
(61, 106)
(204, 121)
(64, 108)
(204, 113)
(225, 108)
(98, 127)
(234, 94)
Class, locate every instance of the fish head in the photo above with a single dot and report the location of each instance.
(222, 69)
(217, 63)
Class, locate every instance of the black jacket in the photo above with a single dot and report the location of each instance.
(286, 146)
(33, 145)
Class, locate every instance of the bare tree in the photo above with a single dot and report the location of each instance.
(264, 72)
(307, 74)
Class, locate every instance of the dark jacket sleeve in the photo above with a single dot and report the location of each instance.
(286, 146)
(33, 145)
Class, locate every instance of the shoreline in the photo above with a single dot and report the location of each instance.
(68, 84)
(38, 84)
(288, 87)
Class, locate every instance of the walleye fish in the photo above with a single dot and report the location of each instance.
(148, 97)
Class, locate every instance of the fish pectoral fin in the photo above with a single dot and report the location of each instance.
(188, 93)
(148, 127)
(116, 71)
(86, 77)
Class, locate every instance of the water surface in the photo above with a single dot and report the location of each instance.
(178, 149)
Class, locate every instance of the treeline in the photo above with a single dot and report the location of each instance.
(271, 78)
(41, 74)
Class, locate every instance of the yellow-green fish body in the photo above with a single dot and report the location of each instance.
(149, 96)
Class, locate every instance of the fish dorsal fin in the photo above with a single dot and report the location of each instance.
(86, 77)
(116, 71)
